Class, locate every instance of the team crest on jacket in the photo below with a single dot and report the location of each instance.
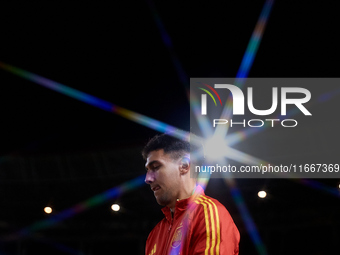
(177, 238)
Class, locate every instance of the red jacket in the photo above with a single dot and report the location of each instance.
(200, 225)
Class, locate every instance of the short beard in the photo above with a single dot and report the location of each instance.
(163, 200)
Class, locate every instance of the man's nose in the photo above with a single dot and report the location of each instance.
(149, 178)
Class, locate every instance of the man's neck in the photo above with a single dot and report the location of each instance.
(187, 191)
(185, 196)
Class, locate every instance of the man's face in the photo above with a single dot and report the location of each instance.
(163, 176)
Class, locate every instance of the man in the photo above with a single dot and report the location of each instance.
(194, 223)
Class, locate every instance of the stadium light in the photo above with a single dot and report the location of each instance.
(115, 207)
(48, 210)
(262, 194)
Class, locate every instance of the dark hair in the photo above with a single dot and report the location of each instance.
(172, 145)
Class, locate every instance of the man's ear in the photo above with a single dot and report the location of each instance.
(185, 165)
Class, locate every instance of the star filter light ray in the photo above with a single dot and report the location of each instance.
(44, 240)
(246, 217)
(79, 208)
(255, 41)
(139, 118)
(95, 101)
(220, 133)
(168, 44)
(248, 58)
(243, 72)
(202, 120)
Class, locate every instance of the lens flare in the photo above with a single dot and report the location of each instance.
(215, 148)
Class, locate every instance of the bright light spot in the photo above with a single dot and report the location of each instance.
(262, 194)
(48, 210)
(115, 207)
(215, 148)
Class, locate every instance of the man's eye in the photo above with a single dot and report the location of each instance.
(152, 168)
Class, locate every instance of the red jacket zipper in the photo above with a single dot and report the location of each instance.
(168, 241)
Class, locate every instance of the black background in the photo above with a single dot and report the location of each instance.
(58, 151)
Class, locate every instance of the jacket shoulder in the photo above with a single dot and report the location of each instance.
(213, 228)
(211, 208)
(203, 201)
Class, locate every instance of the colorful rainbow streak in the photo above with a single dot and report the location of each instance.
(202, 120)
(242, 73)
(248, 58)
(246, 217)
(168, 43)
(78, 208)
(255, 41)
(141, 119)
(246, 64)
(97, 102)
(317, 185)
(41, 239)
